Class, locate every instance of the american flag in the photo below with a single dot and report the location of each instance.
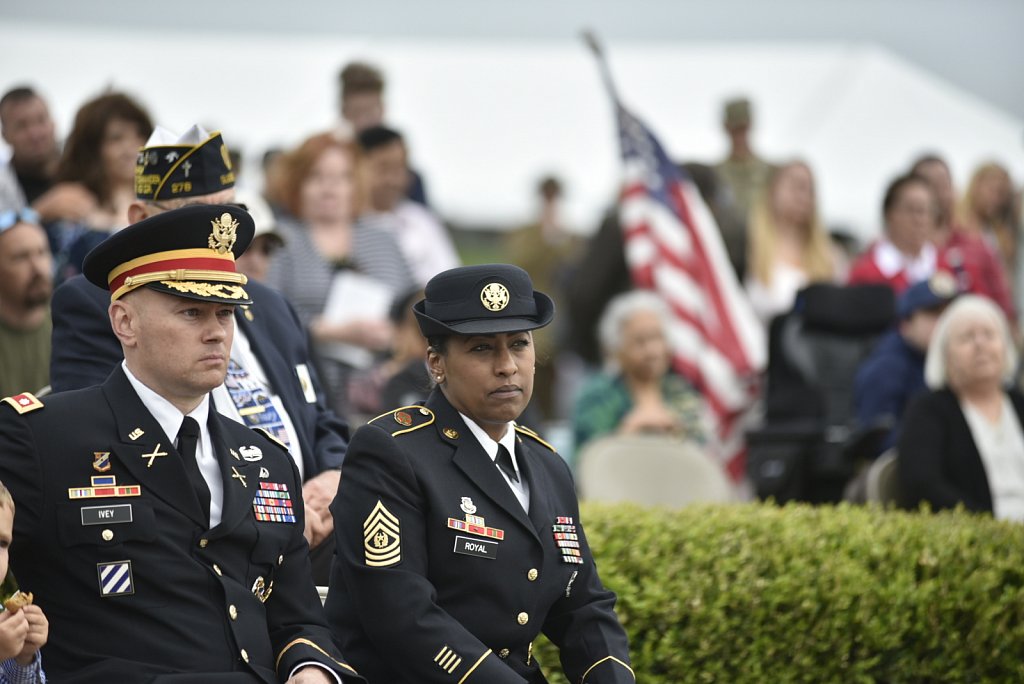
(674, 247)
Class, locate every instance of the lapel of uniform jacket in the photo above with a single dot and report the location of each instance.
(528, 458)
(472, 460)
(240, 477)
(150, 457)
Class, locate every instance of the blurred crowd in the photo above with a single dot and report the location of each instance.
(347, 234)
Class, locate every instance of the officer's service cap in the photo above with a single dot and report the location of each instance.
(188, 252)
(194, 164)
(482, 300)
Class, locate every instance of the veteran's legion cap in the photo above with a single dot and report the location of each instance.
(482, 300)
(188, 252)
(196, 163)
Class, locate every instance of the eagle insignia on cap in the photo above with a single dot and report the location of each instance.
(494, 296)
(222, 239)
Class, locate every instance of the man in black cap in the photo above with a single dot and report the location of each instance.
(164, 540)
(458, 532)
(271, 381)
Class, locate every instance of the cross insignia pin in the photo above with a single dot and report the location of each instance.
(153, 456)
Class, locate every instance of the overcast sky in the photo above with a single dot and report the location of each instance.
(977, 44)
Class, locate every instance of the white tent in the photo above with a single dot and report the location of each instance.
(485, 120)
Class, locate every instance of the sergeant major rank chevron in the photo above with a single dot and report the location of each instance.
(382, 537)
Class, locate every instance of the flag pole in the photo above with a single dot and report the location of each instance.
(592, 42)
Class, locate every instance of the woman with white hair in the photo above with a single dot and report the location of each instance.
(963, 442)
(638, 392)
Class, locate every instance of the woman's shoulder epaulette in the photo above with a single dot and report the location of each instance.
(411, 418)
(533, 435)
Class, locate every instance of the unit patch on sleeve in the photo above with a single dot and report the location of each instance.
(382, 537)
(273, 503)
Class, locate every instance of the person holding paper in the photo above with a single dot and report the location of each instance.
(340, 274)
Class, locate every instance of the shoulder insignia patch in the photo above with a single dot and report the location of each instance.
(410, 417)
(24, 402)
(382, 537)
(272, 438)
(534, 436)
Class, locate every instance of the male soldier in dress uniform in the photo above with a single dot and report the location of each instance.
(459, 536)
(271, 382)
(163, 540)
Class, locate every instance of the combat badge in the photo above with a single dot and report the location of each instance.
(382, 537)
(115, 578)
(251, 453)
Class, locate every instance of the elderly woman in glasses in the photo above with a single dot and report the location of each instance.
(962, 443)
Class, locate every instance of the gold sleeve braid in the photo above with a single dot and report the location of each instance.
(475, 665)
(583, 679)
(309, 643)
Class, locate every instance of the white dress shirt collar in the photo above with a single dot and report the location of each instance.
(521, 489)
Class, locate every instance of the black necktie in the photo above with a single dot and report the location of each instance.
(504, 461)
(188, 440)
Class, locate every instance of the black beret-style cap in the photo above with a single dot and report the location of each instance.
(180, 169)
(188, 252)
(482, 300)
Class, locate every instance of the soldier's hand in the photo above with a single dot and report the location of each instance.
(13, 629)
(38, 632)
(311, 674)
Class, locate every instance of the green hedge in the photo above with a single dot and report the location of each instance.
(759, 593)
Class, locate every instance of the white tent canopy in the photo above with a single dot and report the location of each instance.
(485, 120)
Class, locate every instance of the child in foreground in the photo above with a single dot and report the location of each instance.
(23, 628)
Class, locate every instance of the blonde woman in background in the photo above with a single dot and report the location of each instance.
(986, 209)
(788, 245)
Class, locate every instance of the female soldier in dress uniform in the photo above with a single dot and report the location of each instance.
(458, 531)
